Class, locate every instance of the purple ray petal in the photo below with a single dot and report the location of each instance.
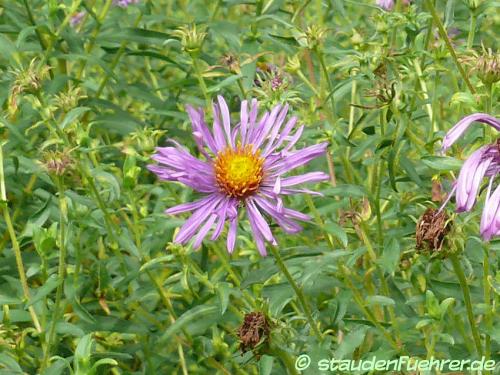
(456, 131)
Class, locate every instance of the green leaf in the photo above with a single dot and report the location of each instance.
(407, 165)
(380, 301)
(390, 256)
(442, 163)
(189, 316)
(73, 115)
(226, 82)
(350, 342)
(337, 231)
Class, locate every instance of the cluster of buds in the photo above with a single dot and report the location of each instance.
(27, 80)
(58, 163)
(69, 99)
(142, 141)
(473, 4)
(272, 84)
(488, 66)
(313, 37)
(191, 38)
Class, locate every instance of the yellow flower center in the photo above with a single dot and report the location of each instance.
(238, 171)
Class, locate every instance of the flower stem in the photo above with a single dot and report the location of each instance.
(285, 359)
(444, 36)
(298, 292)
(472, 30)
(15, 245)
(58, 311)
(201, 81)
(467, 299)
(487, 302)
(358, 298)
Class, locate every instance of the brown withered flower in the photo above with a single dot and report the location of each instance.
(254, 330)
(432, 228)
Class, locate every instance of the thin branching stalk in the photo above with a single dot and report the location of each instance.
(298, 292)
(457, 267)
(58, 310)
(15, 245)
(444, 35)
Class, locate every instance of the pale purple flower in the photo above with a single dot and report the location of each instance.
(77, 18)
(385, 4)
(243, 166)
(484, 162)
(125, 3)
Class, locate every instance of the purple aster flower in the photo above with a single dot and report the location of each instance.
(385, 4)
(125, 3)
(243, 167)
(484, 162)
(76, 19)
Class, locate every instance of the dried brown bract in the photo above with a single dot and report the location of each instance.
(254, 330)
(432, 228)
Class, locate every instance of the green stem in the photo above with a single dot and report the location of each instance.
(444, 36)
(472, 30)
(468, 303)
(358, 298)
(15, 245)
(90, 46)
(298, 292)
(285, 359)
(58, 311)
(328, 81)
(487, 301)
(115, 61)
(201, 81)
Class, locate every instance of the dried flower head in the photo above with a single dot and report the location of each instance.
(432, 228)
(254, 331)
(231, 62)
(57, 163)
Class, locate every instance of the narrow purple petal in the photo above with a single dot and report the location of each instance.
(490, 216)
(297, 158)
(308, 177)
(226, 118)
(231, 235)
(203, 231)
(220, 141)
(200, 129)
(470, 178)
(189, 228)
(259, 220)
(190, 206)
(456, 131)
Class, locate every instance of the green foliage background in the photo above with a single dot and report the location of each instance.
(83, 108)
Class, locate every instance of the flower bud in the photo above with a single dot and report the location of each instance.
(488, 67)
(191, 38)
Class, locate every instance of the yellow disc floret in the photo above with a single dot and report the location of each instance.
(238, 171)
